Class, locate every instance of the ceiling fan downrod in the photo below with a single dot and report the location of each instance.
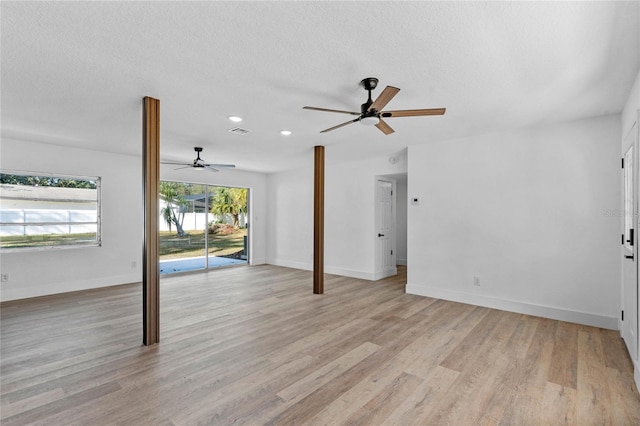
(369, 84)
(198, 150)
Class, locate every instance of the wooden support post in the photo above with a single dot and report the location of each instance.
(318, 221)
(150, 250)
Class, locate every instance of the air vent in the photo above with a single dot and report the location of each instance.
(239, 131)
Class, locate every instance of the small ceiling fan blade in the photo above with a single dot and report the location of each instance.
(229, 166)
(210, 168)
(340, 125)
(183, 167)
(331, 110)
(175, 163)
(383, 99)
(384, 127)
(413, 112)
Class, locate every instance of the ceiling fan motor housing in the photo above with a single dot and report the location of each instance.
(364, 108)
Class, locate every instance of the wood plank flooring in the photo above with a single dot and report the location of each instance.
(253, 345)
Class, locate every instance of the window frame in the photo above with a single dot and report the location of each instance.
(93, 243)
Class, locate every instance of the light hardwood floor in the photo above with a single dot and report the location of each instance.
(253, 345)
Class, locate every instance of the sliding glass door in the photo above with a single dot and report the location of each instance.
(228, 226)
(202, 226)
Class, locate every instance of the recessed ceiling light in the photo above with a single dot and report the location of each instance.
(285, 132)
(235, 119)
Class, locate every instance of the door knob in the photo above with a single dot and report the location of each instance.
(380, 235)
(628, 257)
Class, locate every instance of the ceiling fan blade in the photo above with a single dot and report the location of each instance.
(413, 112)
(229, 166)
(383, 99)
(384, 127)
(210, 168)
(174, 163)
(340, 125)
(331, 110)
(183, 167)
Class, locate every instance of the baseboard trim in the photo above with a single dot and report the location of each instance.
(290, 264)
(350, 273)
(259, 261)
(8, 294)
(386, 273)
(578, 317)
(402, 262)
(327, 269)
(636, 374)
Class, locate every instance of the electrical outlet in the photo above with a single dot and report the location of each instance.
(4, 278)
(476, 281)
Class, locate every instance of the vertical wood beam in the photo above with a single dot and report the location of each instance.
(318, 220)
(151, 245)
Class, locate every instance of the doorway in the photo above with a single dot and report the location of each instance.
(385, 223)
(202, 226)
(630, 293)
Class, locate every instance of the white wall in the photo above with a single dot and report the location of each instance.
(36, 273)
(257, 184)
(526, 212)
(349, 215)
(290, 218)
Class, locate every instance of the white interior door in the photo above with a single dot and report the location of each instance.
(385, 228)
(630, 246)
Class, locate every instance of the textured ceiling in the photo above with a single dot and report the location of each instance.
(74, 73)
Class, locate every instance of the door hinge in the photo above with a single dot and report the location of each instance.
(623, 163)
(622, 240)
(631, 237)
(391, 251)
(622, 315)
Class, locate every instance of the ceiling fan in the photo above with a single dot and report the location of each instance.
(371, 111)
(199, 164)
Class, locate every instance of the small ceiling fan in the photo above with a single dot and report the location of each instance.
(371, 111)
(199, 164)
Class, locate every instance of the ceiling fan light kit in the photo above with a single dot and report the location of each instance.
(371, 120)
(371, 113)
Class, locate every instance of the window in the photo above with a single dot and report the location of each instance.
(628, 199)
(39, 211)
